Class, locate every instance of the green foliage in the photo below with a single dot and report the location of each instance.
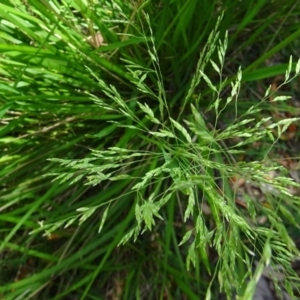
(107, 148)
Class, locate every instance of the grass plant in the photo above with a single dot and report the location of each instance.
(122, 127)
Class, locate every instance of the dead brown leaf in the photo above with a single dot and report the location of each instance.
(96, 40)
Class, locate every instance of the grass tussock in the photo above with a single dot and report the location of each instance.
(142, 148)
